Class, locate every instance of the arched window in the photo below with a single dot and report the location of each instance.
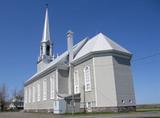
(76, 82)
(123, 101)
(130, 101)
(38, 92)
(48, 50)
(87, 78)
(30, 95)
(33, 93)
(52, 87)
(41, 50)
(44, 89)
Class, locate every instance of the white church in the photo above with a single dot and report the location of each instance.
(93, 75)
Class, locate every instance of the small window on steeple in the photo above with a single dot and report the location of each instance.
(48, 50)
(41, 50)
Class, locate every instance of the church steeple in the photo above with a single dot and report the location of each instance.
(46, 32)
(46, 43)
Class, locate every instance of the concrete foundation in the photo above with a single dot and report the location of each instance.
(113, 109)
(39, 110)
(94, 109)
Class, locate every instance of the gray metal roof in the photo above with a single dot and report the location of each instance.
(60, 59)
(100, 42)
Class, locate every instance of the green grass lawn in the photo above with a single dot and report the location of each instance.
(137, 110)
(147, 109)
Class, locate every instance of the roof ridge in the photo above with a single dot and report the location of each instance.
(112, 43)
(100, 42)
(58, 59)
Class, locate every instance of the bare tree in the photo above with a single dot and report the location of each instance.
(14, 93)
(3, 96)
(17, 98)
(0, 99)
(18, 94)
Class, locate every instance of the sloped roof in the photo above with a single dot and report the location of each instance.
(100, 42)
(62, 58)
(64, 55)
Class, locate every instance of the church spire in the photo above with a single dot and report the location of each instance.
(46, 32)
(46, 43)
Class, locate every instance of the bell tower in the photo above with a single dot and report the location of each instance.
(46, 53)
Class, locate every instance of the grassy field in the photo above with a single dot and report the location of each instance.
(144, 111)
(139, 109)
(147, 108)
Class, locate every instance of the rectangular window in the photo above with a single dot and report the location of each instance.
(52, 87)
(25, 95)
(38, 92)
(87, 78)
(33, 94)
(76, 82)
(89, 104)
(45, 89)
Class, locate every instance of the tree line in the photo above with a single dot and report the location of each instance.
(8, 102)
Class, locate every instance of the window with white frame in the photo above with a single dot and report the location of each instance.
(87, 78)
(76, 82)
(29, 94)
(38, 92)
(52, 87)
(33, 93)
(45, 89)
(88, 104)
(25, 95)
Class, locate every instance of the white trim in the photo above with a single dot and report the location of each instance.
(56, 85)
(45, 89)
(38, 92)
(33, 93)
(29, 94)
(95, 83)
(87, 106)
(52, 87)
(76, 82)
(89, 78)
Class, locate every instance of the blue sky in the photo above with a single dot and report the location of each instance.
(134, 24)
